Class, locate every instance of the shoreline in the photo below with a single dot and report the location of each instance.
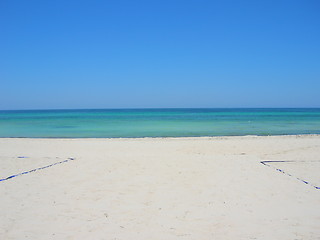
(192, 137)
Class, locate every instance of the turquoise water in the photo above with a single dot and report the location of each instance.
(158, 122)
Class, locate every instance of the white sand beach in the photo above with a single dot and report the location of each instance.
(161, 188)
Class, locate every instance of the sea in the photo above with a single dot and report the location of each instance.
(137, 123)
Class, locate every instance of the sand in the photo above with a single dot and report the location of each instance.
(161, 188)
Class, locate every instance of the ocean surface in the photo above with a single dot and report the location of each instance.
(157, 122)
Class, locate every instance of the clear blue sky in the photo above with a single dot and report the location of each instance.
(135, 54)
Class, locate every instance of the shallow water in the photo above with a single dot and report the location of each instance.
(158, 122)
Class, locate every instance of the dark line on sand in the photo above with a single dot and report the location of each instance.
(36, 169)
(288, 174)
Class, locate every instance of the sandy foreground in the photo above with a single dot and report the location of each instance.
(161, 188)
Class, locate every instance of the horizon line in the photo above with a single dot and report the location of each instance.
(153, 108)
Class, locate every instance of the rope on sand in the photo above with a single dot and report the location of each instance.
(36, 169)
(288, 174)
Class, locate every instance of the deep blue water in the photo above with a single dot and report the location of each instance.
(158, 122)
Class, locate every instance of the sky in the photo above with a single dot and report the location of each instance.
(75, 54)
